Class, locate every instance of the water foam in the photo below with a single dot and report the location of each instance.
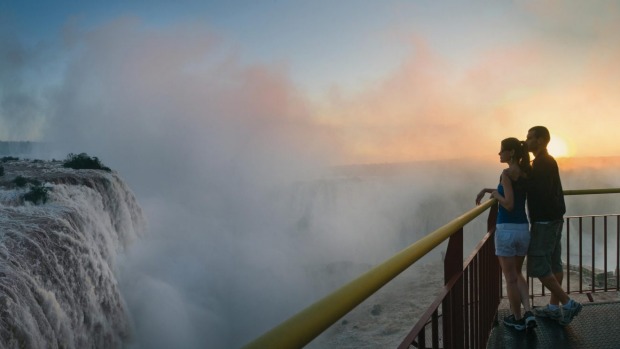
(57, 260)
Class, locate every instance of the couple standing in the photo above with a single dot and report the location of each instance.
(540, 184)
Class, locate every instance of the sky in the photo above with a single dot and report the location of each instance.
(222, 115)
(391, 81)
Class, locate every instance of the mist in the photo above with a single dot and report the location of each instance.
(205, 142)
(249, 218)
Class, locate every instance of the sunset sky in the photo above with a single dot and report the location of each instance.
(222, 117)
(371, 81)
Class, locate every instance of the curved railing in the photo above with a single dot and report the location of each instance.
(306, 325)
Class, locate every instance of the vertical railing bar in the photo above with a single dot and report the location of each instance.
(466, 305)
(492, 281)
(421, 339)
(605, 250)
(472, 303)
(435, 330)
(593, 273)
(580, 254)
(445, 319)
(617, 252)
(492, 304)
(457, 314)
(477, 298)
(483, 305)
(542, 287)
(489, 280)
(481, 302)
(482, 260)
(568, 255)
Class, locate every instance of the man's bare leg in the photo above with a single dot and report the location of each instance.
(557, 293)
(554, 299)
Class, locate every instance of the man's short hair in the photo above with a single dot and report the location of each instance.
(541, 132)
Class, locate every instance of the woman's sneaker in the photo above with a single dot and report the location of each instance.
(530, 320)
(510, 321)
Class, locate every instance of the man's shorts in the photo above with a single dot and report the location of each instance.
(512, 239)
(545, 253)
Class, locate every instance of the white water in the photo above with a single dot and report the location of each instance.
(57, 260)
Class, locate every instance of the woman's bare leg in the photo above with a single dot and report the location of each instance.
(509, 268)
(522, 283)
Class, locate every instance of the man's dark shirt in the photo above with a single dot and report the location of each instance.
(545, 197)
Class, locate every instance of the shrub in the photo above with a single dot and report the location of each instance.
(1, 171)
(36, 194)
(83, 161)
(9, 158)
(20, 181)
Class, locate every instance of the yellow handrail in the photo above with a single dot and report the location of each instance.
(306, 325)
(592, 191)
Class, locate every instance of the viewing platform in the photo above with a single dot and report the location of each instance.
(596, 327)
(468, 310)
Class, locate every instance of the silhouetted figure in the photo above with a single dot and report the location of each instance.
(512, 232)
(546, 210)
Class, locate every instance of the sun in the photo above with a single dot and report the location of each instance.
(557, 147)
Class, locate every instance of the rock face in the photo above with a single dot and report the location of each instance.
(57, 259)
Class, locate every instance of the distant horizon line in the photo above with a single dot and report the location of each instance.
(483, 158)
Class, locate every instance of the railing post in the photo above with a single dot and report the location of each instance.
(453, 305)
(493, 276)
(492, 219)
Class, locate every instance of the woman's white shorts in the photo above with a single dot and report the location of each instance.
(512, 239)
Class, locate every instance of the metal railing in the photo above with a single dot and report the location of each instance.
(469, 300)
(591, 273)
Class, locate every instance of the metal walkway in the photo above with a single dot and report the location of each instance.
(597, 326)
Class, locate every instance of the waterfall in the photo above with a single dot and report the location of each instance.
(57, 259)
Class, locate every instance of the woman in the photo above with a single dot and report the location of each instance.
(512, 236)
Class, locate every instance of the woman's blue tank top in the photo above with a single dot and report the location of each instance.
(518, 214)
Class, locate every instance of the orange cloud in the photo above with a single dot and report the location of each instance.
(426, 109)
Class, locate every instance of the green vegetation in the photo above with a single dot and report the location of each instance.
(20, 181)
(8, 158)
(83, 161)
(36, 194)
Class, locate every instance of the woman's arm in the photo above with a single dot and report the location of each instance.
(481, 194)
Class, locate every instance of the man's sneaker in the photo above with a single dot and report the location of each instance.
(530, 320)
(554, 314)
(510, 321)
(570, 313)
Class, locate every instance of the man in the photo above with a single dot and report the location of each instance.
(546, 207)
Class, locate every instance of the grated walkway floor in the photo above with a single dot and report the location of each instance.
(596, 326)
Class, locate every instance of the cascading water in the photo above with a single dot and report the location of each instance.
(57, 260)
